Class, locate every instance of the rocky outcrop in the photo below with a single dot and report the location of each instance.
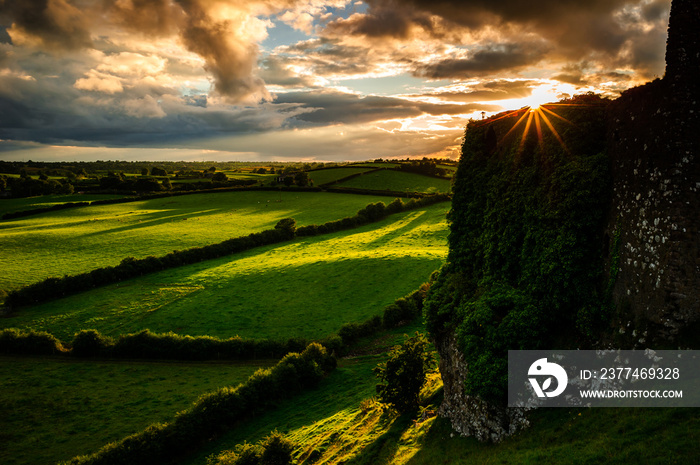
(471, 416)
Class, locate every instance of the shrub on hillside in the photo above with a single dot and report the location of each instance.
(403, 374)
(275, 449)
(15, 341)
(90, 343)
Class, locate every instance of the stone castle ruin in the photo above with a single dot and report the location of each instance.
(654, 146)
(653, 226)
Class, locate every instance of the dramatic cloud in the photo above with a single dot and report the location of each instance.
(618, 33)
(337, 107)
(399, 76)
(52, 24)
(488, 61)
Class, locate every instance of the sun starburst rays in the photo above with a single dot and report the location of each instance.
(534, 116)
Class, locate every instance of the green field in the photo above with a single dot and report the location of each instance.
(321, 177)
(81, 239)
(397, 181)
(31, 203)
(55, 409)
(307, 288)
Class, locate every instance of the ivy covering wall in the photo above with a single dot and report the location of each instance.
(526, 261)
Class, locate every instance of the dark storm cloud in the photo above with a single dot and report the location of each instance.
(151, 17)
(229, 52)
(336, 107)
(56, 24)
(274, 72)
(495, 90)
(499, 57)
(573, 28)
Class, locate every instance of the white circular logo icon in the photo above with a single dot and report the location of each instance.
(542, 368)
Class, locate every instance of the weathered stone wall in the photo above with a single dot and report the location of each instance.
(654, 145)
(471, 416)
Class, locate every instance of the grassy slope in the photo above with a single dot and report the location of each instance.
(30, 203)
(81, 239)
(54, 409)
(320, 177)
(398, 181)
(329, 408)
(332, 421)
(308, 287)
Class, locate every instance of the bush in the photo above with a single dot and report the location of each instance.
(17, 342)
(277, 450)
(403, 374)
(90, 343)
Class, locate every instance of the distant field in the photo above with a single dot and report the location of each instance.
(325, 176)
(30, 203)
(53, 409)
(397, 181)
(81, 239)
(306, 288)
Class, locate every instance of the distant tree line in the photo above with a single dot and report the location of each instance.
(425, 167)
(26, 186)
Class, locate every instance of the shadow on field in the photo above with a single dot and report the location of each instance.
(134, 223)
(412, 221)
(342, 390)
(385, 446)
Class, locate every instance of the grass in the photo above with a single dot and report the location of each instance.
(321, 177)
(327, 408)
(398, 181)
(340, 423)
(54, 409)
(305, 288)
(81, 239)
(31, 203)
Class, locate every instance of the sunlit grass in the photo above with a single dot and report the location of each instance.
(320, 177)
(54, 409)
(81, 239)
(397, 181)
(30, 203)
(305, 288)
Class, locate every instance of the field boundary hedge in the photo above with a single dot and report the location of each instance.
(132, 197)
(89, 343)
(54, 288)
(217, 411)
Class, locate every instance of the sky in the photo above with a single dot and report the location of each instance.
(312, 80)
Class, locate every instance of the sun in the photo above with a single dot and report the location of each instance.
(539, 96)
